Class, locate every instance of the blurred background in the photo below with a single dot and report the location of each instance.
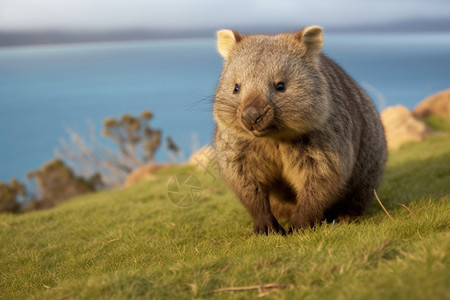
(70, 70)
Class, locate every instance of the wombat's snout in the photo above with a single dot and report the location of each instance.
(256, 119)
(252, 115)
(256, 114)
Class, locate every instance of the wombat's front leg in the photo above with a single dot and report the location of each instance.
(317, 195)
(307, 213)
(256, 200)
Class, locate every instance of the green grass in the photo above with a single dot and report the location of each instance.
(438, 123)
(135, 244)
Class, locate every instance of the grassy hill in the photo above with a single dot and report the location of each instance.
(136, 244)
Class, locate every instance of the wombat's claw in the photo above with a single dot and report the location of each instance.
(295, 228)
(266, 229)
(281, 230)
(292, 230)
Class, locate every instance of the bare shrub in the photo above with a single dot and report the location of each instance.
(137, 143)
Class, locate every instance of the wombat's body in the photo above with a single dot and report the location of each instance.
(296, 137)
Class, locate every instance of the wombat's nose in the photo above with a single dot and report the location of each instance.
(251, 115)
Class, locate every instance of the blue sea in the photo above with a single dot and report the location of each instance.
(45, 90)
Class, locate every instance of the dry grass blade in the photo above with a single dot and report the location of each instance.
(65, 296)
(381, 204)
(263, 289)
(410, 211)
(108, 242)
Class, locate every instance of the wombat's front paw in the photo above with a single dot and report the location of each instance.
(266, 226)
(299, 222)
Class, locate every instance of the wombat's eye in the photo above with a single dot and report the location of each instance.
(236, 88)
(280, 86)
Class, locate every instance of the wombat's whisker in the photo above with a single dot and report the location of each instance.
(202, 101)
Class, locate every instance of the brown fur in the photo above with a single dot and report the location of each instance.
(314, 151)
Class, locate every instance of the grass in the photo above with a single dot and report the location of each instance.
(438, 123)
(136, 244)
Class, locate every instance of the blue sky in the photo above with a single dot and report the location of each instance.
(176, 14)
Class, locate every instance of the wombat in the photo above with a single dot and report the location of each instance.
(296, 137)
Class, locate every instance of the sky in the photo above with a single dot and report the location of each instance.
(195, 14)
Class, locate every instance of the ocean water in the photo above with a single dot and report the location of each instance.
(46, 89)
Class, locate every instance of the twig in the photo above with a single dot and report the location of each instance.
(260, 288)
(381, 204)
(108, 242)
(65, 296)
(410, 211)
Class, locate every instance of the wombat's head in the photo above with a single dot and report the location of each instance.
(271, 85)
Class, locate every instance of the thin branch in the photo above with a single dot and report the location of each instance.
(381, 204)
(410, 211)
(259, 287)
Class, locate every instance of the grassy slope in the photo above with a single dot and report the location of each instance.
(134, 243)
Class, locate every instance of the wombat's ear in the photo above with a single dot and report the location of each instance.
(226, 40)
(311, 38)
